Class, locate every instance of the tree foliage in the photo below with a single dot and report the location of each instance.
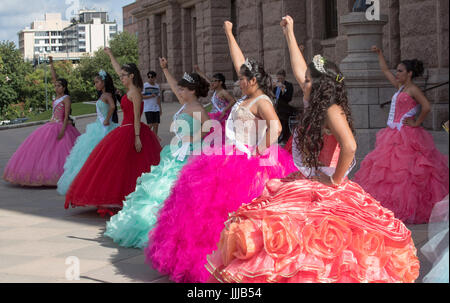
(21, 83)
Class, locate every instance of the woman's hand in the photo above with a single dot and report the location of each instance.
(60, 135)
(163, 62)
(324, 179)
(410, 122)
(106, 122)
(228, 27)
(376, 50)
(107, 51)
(138, 144)
(287, 23)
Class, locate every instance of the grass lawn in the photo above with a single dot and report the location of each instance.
(78, 109)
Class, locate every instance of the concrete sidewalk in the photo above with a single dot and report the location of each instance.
(38, 236)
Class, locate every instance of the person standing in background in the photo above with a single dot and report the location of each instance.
(152, 102)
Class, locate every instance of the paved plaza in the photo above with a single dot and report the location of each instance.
(38, 236)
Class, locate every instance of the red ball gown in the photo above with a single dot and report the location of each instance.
(111, 171)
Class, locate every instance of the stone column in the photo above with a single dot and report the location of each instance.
(367, 87)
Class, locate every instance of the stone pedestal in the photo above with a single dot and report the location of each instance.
(367, 87)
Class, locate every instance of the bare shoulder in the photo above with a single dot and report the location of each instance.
(335, 110)
(135, 95)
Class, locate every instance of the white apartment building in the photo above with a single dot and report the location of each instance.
(91, 31)
(42, 36)
(68, 40)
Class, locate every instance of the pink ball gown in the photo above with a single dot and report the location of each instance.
(302, 231)
(39, 160)
(219, 106)
(405, 171)
(208, 188)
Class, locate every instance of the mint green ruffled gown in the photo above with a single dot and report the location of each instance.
(130, 226)
(84, 145)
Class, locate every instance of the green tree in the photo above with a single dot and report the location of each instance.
(12, 75)
(124, 47)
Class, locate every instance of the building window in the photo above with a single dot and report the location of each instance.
(112, 28)
(331, 19)
(54, 41)
(47, 41)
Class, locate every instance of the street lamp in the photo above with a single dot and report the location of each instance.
(42, 50)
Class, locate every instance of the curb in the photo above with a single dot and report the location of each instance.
(28, 124)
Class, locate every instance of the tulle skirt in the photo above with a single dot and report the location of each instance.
(83, 147)
(406, 173)
(130, 226)
(111, 170)
(39, 160)
(436, 249)
(207, 190)
(300, 231)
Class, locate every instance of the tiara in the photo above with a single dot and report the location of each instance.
(319, 63)
(102, 74)
(188, 78)
(248, 65)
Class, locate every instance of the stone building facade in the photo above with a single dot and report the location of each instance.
(130, 24)
(190, 32)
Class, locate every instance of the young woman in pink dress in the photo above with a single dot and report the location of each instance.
(39, 160)
(405, 171)
(316, 226)
(215, 183)
(111, 171)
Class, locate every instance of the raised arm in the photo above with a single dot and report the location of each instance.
(52, 68)
(170, 79)
(235, 51)
(114, 62)
(298, 62)
(384, 67)
(201, 73)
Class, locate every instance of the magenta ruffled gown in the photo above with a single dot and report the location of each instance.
(208, 188)
(39, 160)
(405, 171)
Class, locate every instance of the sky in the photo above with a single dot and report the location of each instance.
(16, 15)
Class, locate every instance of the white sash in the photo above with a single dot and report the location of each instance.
(214, 102)
(181, 152)
(57, 101)
(411, 113)
(311, 172)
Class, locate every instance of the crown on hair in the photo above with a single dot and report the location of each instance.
(188, 78)
(319, 63)
(248, 64)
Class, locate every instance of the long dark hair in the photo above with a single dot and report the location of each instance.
(132, 69)
(415, 66)
(196, 83)
(328, 88)
(64, 84)
(262, 78)
(109, 88)
(221, 78)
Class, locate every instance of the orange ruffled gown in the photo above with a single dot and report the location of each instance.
(303, 231)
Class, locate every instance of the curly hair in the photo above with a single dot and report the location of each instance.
(328, 88)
